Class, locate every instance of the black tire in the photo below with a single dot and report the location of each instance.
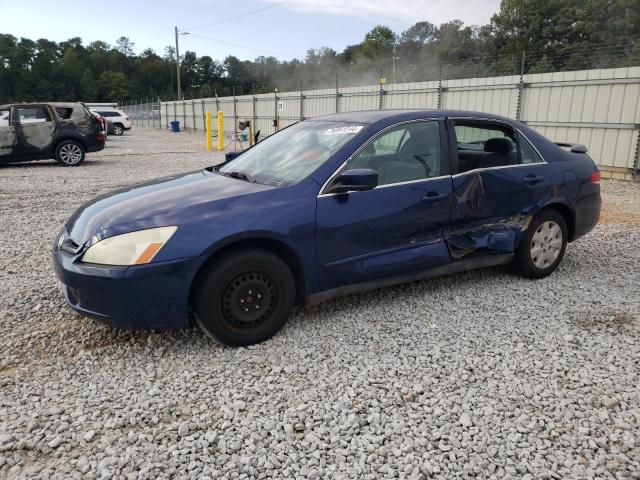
(231, 287)
(118, 129)
(534, 258)
(69, 153)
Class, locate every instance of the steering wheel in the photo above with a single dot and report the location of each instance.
(423, 162)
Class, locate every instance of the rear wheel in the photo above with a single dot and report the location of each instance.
(543, 246)
(118, 129)
(69, 153)
(244, 298)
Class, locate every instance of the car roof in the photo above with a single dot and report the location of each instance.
(53, 104)
(64, 104)
(374, 116)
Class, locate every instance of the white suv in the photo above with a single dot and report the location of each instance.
(118, 118)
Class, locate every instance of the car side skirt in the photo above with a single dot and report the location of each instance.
(454, 267)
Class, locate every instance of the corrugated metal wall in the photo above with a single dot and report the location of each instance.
(599, 108)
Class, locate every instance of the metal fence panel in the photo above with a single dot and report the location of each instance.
(497, 95)
(412, 95)
(319, 102)
(354, 99)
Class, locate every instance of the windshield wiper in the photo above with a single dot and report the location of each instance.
(240, 176)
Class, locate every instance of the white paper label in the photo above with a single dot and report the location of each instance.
(344, 130)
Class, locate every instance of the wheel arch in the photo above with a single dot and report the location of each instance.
(277, 247)
(78, 139)
(567, 213)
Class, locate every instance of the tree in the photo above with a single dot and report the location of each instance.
(88, 87)
(125, 46)
(554, 34)
(112, 86)
(378, 43)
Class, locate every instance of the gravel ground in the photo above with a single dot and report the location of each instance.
(476, 375)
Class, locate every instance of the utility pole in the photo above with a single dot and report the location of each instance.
(178, 65)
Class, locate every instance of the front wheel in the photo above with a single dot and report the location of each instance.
(69, 153)
(118, 129)
(244, 298)
(543, 245)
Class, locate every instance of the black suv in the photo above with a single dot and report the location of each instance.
(39, 131)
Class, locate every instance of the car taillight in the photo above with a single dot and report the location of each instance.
(100, 137)
(595, 177)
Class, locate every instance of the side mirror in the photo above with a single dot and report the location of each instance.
(355, 180)
(231, 155)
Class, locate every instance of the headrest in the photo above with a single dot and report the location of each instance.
(417, 143)
(498, 145)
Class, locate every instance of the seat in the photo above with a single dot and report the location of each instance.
(497, 153)
(418, 149)
(396, 171)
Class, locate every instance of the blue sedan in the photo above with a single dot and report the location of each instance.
(327, 207)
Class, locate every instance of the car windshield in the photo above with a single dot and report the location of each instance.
(291, 154)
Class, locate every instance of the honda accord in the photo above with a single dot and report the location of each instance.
(326, 207)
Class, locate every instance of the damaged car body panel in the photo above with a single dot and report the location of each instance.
(492, 180)
(500, 183)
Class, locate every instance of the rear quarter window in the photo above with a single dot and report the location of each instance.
(64, 113)
(528, 153)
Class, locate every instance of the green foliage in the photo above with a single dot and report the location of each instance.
(552, 35)
(114, 84)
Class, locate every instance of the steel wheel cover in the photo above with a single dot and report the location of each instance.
(248, 300)
(546, 244)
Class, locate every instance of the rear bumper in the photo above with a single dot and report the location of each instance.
(587, 214)
(95, 148)
(142, 297)
(93, 144)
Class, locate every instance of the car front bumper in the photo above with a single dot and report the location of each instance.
(139, 297)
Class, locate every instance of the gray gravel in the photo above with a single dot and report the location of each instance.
(477, 375)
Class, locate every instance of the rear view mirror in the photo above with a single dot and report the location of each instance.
(355, 180)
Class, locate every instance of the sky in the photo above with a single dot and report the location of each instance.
(285, 29)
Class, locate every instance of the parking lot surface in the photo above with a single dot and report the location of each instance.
(476, 375)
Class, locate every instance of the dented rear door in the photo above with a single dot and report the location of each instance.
(492, 207)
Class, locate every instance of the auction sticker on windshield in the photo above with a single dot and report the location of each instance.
(344, 130)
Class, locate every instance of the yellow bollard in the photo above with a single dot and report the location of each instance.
(220, 131)
(207, 125)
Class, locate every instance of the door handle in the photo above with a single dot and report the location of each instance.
(532, 179)
(434, 196)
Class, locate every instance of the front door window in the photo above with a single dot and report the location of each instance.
(405, 153)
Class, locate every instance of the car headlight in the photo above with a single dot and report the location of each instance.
(135, 248)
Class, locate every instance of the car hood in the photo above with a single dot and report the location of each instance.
(173, 200)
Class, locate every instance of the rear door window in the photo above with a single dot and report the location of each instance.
(485, 145)
(33, 115)
(5, 115)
